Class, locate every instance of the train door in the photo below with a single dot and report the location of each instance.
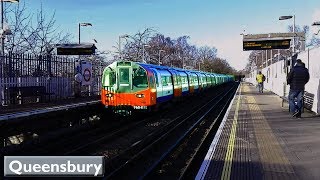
(166, 82)
(195, 81)
(157, 77)
(124, 79)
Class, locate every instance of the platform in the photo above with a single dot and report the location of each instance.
(258, 139)
(18, 111)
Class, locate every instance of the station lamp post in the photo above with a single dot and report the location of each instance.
(183, 58)
(82, 24)
(143, 46)
(2, 18)
(159, 62)
(294, 33)
(316, 24)
(120, 37)
(78, 88)
(3, 102)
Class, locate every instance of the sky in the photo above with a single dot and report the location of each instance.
(213, 23)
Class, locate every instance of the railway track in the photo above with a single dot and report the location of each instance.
(80, 139)
(59, 143)
(152, 156)
(126, 144)
(111, 144)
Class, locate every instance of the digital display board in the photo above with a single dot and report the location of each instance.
(75, 51)
(266, 44)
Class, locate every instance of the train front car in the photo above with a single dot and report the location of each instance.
(127, 86)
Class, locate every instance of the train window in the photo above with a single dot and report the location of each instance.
(179, 80)
(164, 81)
(169, 81)
(151, 81)
(140, 78)
(183, 80)
(175, 79)
(124, 75)
(196, 80)
(156, 77)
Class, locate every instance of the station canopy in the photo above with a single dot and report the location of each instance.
(76, 49)
(270, 41)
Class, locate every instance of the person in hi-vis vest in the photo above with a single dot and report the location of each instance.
(260, 79)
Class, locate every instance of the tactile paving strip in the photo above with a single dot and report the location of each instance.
(247, 136)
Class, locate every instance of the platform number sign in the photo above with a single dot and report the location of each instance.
(86, 68)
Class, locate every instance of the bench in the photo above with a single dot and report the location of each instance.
(20, 93)
(307, 100)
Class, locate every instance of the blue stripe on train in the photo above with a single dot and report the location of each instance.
(164, 98)
(184, 93)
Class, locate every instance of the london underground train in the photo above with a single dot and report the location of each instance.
(128, 85)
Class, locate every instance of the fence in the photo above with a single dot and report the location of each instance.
(53, 74)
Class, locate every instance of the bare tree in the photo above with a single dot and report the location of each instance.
(135, 43)
(174, 52)
(32, 33)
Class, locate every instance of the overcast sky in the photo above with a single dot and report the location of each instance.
(215, 23)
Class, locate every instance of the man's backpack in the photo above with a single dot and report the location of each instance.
(263, 78)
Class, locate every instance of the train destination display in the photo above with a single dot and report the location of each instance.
(266, 44)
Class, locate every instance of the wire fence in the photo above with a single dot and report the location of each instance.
(35, 78)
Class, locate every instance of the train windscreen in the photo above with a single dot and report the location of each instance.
(139, 79)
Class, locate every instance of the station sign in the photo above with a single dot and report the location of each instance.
(75, 49)
(86, 71)
(84, 74)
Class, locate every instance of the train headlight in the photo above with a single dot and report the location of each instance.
(109, 95)
(153, 90)
(140, 95)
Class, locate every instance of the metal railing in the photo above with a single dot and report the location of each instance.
(55, 73)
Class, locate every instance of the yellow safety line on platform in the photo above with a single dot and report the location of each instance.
(271, 154)
(229, 155)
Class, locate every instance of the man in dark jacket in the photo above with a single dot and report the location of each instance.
(297, 78)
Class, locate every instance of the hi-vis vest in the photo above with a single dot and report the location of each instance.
(260, 78)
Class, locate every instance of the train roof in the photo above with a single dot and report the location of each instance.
(148, 66)
(172, 68)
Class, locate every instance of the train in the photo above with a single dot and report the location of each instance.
(133, 86)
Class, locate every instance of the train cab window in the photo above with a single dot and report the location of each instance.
(139, 78)
(110, 79)
(124, 75)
